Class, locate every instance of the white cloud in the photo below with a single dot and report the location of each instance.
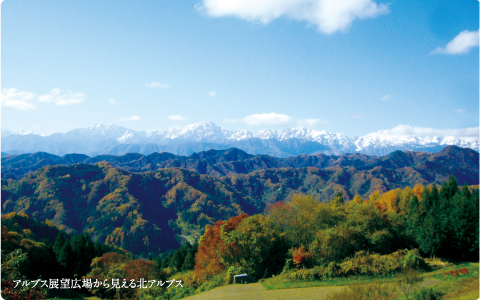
(459, 110)
(112, 101)
(462, 43)
(328, 16)
(212, 94)
(357, 116)
(158, 85)
(176, 118)
(386, 97)
(132, 118)
(425, 131)
(13, 98)
(274, 119)
(59, 97)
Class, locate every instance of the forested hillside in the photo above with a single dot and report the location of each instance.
(148, 212)
(139, 212)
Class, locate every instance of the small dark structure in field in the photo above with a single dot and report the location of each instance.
(243, 278)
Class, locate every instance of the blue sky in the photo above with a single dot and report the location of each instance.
(353, 66)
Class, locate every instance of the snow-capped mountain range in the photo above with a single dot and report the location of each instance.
(113, 139)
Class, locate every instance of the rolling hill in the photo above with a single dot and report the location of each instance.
(146, 212)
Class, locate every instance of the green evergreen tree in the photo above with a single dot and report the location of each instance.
(177, 260)
(449, 189)
(464, 221)
(413, 217)
(59, 242)
(66, 259)
(426, 202)
(447, 193)
(47, 243)
(166, 261)
(82, 252)
(429, 232)
(189, 262)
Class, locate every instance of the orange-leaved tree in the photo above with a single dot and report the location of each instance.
(208, 261)
(301, 257)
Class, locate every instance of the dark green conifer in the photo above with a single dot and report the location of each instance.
(189, 262)
(59, 242)
(177, 260)
(449, 189)
(429, 232)
(464, 221)
(66, 259)
(412, 221)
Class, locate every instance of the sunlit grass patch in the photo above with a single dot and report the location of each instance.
(378, 291)
(283, 282)
(437, 263)
(462, 289)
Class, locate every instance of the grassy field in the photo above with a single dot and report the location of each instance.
(281, 282)
(279, 287)
(257, 291)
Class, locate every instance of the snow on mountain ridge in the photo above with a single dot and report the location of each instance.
(7, 132)
(238, 135)
(403, 142)
(376, 143)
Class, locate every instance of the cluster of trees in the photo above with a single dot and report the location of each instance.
(304, 233)
(26, 257)
(74, 254)
(445, 221)
(124, 267)
(31, 229)
(28, 253)
(243, 241)
(65, 255)
(180, 260)
(77, 256)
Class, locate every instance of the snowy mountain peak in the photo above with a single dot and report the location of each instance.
(202, 126)
(208, 133)
(7, 132)
(99, 126)
(198, 132)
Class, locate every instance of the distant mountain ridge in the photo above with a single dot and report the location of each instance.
(462, 163)
(116, 140)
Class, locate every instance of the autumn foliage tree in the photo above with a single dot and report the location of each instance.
(124, 268)
(208, 261)
(301, 257)
(255, 247)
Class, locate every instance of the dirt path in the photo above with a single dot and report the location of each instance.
(257, 291)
